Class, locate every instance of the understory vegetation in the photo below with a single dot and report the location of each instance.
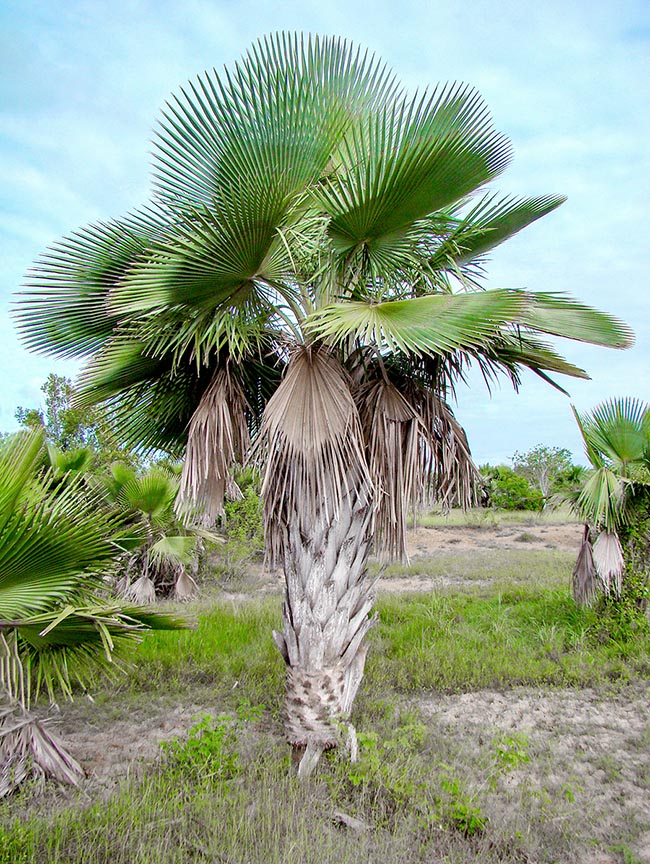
(421, 790)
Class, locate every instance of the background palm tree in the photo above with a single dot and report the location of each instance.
(614, 501)
(308, 274)
(161, 551)
(57, 625)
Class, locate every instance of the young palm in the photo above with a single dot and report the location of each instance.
(308, 274)
(160, 550)
(613, 499)
(56, 626)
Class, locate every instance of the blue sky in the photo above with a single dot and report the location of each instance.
(82, 84)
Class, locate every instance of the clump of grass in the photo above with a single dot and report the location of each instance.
(525, 537)
(457, 643)
(231, 648)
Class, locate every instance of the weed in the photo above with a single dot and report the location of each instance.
(458, 808)
(628, 857)
(208, 754)
(525, 537)
(510, 752)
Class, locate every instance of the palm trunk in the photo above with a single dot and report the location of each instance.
(328, 599)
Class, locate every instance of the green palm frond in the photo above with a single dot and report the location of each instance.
(560, 315)
(229, 132)
(64, 310)
(412, 158)
(601, 500)
(154, 415)
(457, 322)
(151, 493)
(49, 542)
(177, 549)
(76, 460)
(514, 350)
(617, 433)
(491, 221)
(55, 544)
(70, 645)
(209, 256)
(619, 430)
(118, 365)
(434, 324)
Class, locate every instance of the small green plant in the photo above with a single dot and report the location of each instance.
(209, 753)
(458, 808)
(628, 857)
(388, 779)
(13, 844)
(525, 537)
(510, 751)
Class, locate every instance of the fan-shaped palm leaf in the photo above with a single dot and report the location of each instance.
(448, 323)
(617, 431)
(490, 222)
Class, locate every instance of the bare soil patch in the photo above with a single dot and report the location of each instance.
(589, 767)
(426, 542)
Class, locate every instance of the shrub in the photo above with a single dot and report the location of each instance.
(510, 491)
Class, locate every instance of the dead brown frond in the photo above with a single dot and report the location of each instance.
(217, 438)
(185, 588)
(311, 442)
(585, 583)
(392, 440)
(608, 560)
(142, 592)
(29, 749)
(417, 453)
(449, 476)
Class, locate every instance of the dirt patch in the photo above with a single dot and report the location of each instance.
(429, 543)
(588, 768)
(425, 542)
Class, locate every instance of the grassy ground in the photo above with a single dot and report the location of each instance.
(427, 788)
(486, 517)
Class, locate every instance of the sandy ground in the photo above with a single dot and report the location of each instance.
(587, 750)
(425, 542)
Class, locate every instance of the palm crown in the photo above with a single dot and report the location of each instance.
(616, 436)
(308, 271)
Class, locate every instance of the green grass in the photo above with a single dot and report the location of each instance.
(486, 517)
(231, 647)
(458, 643)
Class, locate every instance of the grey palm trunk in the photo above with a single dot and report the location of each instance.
(327, 613)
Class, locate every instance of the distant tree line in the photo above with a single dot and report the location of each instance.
(536, 476)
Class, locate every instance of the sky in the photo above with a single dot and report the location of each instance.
(568, 81)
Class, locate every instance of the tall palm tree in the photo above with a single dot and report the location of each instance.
(614, 501)
(308, 275)
(57, 626)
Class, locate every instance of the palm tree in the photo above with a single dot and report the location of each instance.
(308, 276)
(158, 549)
(56, 625)
(614, 501)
